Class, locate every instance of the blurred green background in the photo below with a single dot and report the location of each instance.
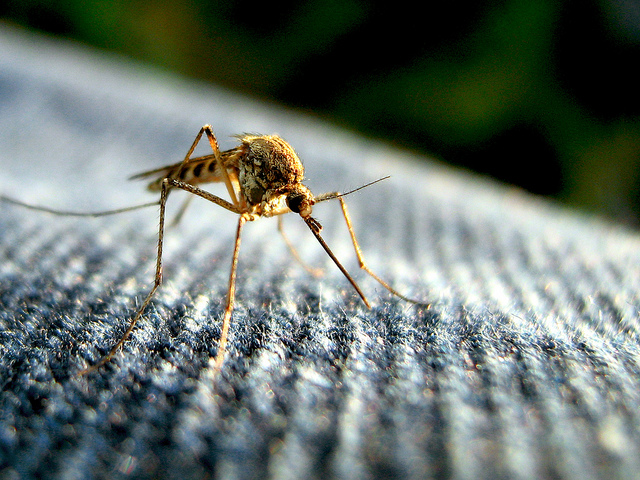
(541, 94)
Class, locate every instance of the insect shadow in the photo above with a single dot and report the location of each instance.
(263, 177)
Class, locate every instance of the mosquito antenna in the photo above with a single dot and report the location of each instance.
(315, 228)
(332, 195)
(67, 213)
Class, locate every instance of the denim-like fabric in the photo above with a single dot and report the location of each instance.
(526, 365)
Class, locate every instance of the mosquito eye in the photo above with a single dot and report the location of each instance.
(294, 202)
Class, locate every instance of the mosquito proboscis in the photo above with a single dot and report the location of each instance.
(263, 177)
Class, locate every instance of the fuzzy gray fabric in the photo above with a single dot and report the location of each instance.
(526, 366)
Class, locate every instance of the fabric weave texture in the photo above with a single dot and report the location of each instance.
(526, 365)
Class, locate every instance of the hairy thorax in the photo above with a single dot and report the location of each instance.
(267, 167)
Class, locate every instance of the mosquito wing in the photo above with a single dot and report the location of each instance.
(195, 170)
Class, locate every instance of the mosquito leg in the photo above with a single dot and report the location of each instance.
(195, 144)
(156, 283)
(316, 272)
(231, 293)
(66, 213)
(167, 184)
(216, 151)
(183, 208)
(204, 194)
(187, 157)
(362, 263)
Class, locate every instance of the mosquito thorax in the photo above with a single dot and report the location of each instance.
(267, 164)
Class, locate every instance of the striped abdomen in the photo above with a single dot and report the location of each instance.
(196, 170)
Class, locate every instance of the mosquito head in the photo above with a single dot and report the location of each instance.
(300, 200)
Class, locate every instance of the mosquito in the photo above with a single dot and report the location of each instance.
(263, 177)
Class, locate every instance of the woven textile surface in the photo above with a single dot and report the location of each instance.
(526, 365)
